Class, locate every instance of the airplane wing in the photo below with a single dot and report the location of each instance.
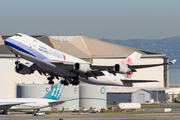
(66, 68)
(134, 66)
(109, 68)
(102, 66)
(9, 105)
(56, 103)
(137, 81)
(69, 66)
(97, 68)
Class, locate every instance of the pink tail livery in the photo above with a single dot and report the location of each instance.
(133, 58)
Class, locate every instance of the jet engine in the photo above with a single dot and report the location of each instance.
(121, 68)
(23, 69)
(82, 67)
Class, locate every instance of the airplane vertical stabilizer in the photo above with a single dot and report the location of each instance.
(55, 92)
(133, 58)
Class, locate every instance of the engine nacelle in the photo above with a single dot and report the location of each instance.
(121, 68)
(23, 69)
(81, 67)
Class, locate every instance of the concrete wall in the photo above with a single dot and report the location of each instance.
(92, 96)
(32, 90)
(9, 79)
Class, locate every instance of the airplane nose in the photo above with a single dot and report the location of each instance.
(7, 41)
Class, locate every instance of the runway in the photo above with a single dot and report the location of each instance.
(91, 116)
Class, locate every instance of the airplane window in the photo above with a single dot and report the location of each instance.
(18, 35)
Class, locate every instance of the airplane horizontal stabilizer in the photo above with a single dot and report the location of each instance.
(137, 81)
(56, 103)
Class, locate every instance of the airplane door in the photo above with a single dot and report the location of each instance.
(33, 45)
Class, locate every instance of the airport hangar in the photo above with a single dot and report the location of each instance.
(92, 50)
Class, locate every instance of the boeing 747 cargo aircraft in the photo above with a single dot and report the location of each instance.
(55, 64)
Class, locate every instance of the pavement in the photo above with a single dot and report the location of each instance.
(91, 116)
(175, 115)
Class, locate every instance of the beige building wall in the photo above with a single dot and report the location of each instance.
(9, 78)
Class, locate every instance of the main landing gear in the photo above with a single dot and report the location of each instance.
(64, 82)
(67, 81)
(50, 80)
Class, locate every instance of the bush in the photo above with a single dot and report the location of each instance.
(177, 99)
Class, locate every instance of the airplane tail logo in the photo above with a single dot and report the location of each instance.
(55, 92)
(133, 58)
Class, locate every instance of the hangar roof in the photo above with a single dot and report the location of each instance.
(96, 48)
(117, 89)
(84, 47)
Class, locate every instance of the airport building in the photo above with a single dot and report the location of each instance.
(32, 90)
(91, 50)
(158, 94)
(92, 96)
(70, 95)
(172, 93)
(83, 96)
(125, 95)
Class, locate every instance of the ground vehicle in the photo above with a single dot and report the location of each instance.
(94, 110)
(39, 113)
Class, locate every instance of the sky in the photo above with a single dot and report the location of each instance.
(109, 19)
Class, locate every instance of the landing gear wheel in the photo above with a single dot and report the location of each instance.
(17, 62)
(71, 82)
(75, 83)
(51, 82)
(49, 78)
(64, 82)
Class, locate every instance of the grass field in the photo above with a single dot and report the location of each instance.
(158, 106)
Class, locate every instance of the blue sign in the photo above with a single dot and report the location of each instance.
(102, 90)
(75, 89)
(47, 90)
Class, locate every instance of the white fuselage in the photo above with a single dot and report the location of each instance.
(25, 46)
(107, 79)
(27, 103)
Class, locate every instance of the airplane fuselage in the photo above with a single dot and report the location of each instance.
(27, 103)
(33, 50)
(107, 79)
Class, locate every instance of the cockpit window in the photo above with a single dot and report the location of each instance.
(18, 35)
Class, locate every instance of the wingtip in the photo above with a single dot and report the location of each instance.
(172, 62)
